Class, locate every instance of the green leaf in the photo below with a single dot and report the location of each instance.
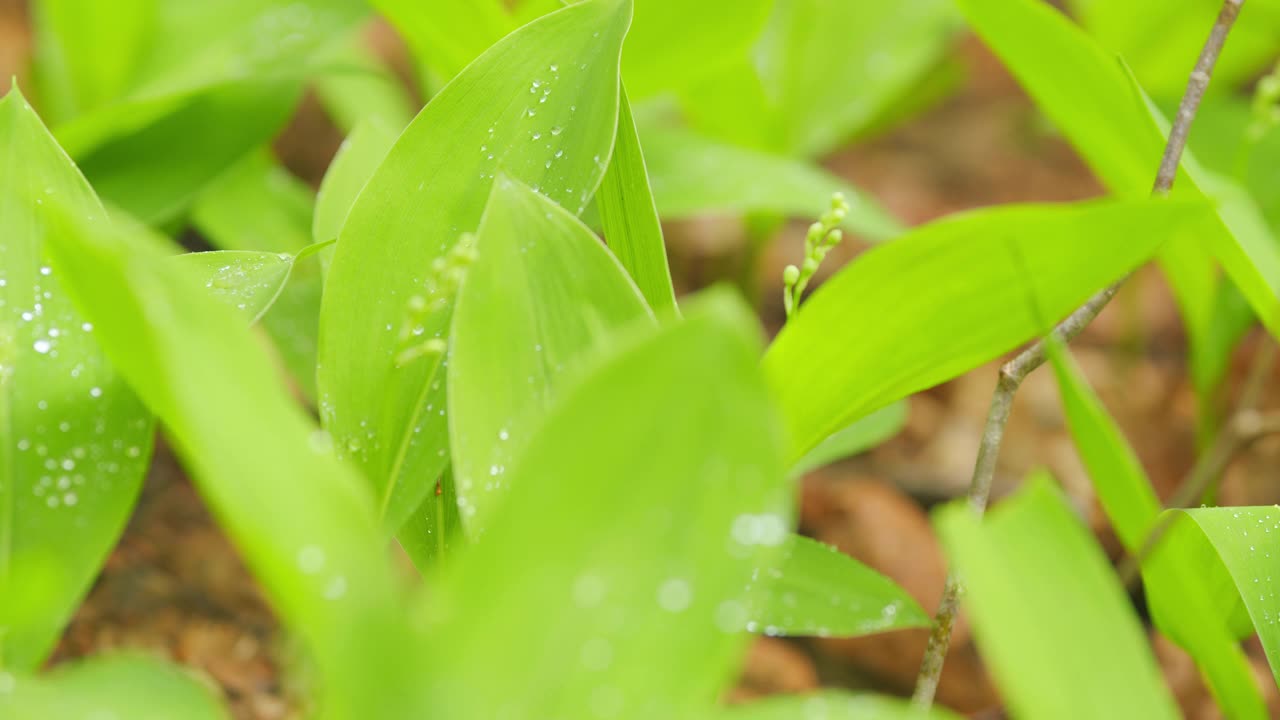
(675, 43)
(324, 568)
(74, 440)
(629, 218)
(1182, 596)
(86, 54)
(213, 81)
(638, 584)
(111, 686)
(543, 297)
(1244, 546)
(862, 434)
(694, 175)
(540, 106)
(1051, 620)
(831, 705)
(1097, 104)
(1131, 28)
(818, 590)
(246, 280)
(821, 72)
(257, 205)
(950, 296)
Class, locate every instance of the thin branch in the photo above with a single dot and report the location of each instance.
(1015, 371)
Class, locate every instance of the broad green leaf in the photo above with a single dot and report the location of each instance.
(384, 301)
(635, 604)
(360, 86)
(862, 434)
(629, 218)
(831, 705)
(116, 686)
(543, 297)
(212, 81)
(255, 206)
(1181, 593)
(949, 296)
(821, 72)
(302, 520)
(1244, 545)
(74, 441)
(818, 590)
(86, 54)
(1097, 104)
(1053, 624)
(157, 172)
(695, 175)
(1161, 40)
(675, 43)
(246, 280)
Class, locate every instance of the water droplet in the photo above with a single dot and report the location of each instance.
(311, 559)
(41, 346)
(674, 595)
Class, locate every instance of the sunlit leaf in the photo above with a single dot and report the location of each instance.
(74, 441)
(121, 686)
(543, 297)
(822, 71)
(862, 434)
(301, 519)
(1182, 590)
(830, 705)
(1035, 579)
(1244, 542)
(384, 301)
(258, 206)
(1127, 29)
(695, 175)
(1090, 96)
(638, 583)
(629, 218)
(818, 590)
(969, 287)
(248, 281)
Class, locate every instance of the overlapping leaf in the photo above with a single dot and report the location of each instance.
(74, 441)
(1183, 590)
(645, 535)
(817, 590)
(122, 686)
(236, 429)
(1035, 580)
(543, 297)
(386, 300)
(1092, 99)
(968, 288)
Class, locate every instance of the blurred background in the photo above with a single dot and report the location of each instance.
(892, 103)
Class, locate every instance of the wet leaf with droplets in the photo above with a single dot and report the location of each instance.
(387, 302)
(74, 440)
(818, 590)
(246, 280)
(542, 299)
(613, 559)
